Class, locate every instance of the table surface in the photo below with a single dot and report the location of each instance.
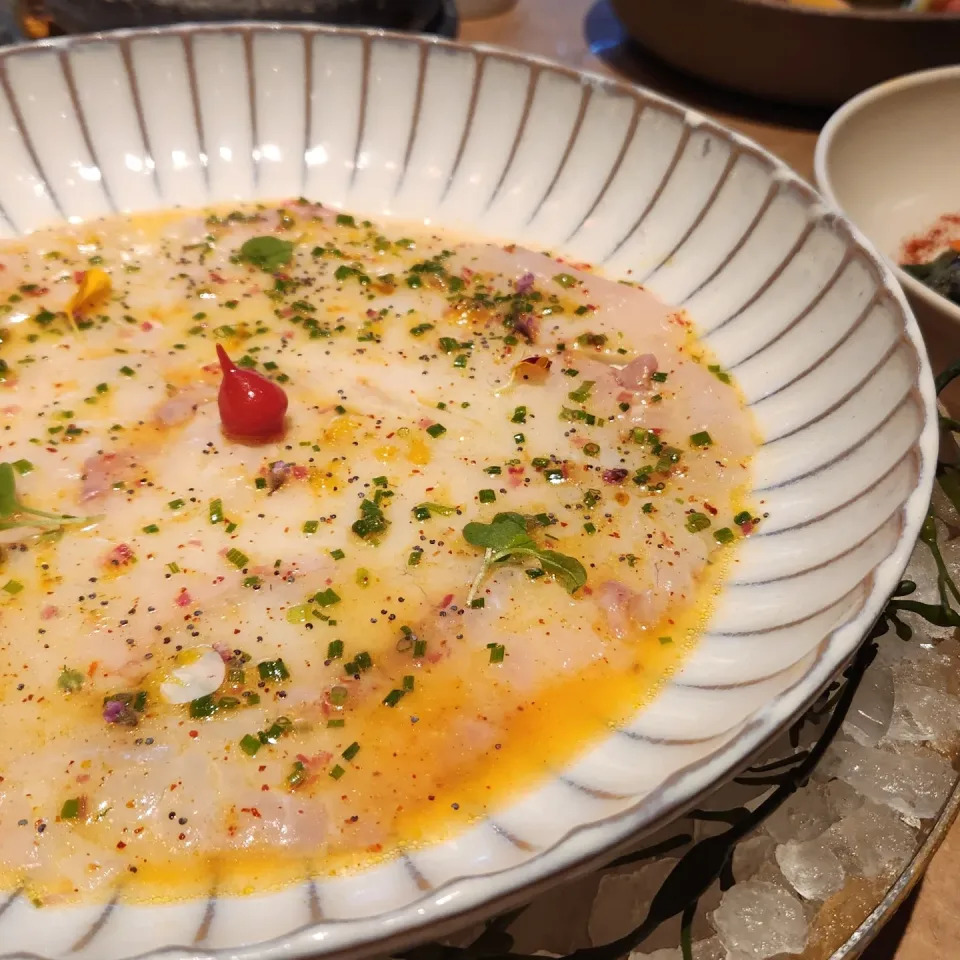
(585, 34)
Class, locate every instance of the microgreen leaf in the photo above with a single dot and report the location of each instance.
(267, 253)
(506, 537)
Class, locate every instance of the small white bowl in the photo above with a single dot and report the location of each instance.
(890, 160)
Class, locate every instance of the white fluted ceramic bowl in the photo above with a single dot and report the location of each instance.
(783, 290)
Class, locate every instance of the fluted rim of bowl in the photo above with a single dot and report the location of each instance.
(457, 899)
(822, 171)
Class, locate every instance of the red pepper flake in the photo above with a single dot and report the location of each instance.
(194, 734)
(183, 598)
(446, 601)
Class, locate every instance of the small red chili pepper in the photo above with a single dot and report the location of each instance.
(251, 406)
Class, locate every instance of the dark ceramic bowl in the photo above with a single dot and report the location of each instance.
(777, 51)
(72, 16)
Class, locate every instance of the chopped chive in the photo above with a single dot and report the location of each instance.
(299, 613)
(436, 430)
(565, 280)
(23, 467)
(666, 640)
(415, 556)
(311, 526)
(591, 449)
(230, 527)
(260, 483)
(126, 371)
(237, 557)
(173, 567)
(589, 528)
(334, 649)
(151, 528)
(351, 751)
(203, 707)
(326, 598)
(701, 439)
(338, 696)
(659, 376)
(275, 670)
(393, 698)
(176, 504)
(477, 603)
(363, 660)
(102, 387)
(519, 438)
(13, 587)
(336, 722)
(723, 535)
(697, 522)
(252, 582)
(742, 517)
(519, 415)
(487, 496)
(298, 776)
(582, 393)
(216, 511)
(497, 652)
(337, 772)
(419, 648)
(70, 809)
(337, 554)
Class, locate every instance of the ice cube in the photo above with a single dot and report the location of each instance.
(873, 841)
(914, 781)
(760, 920)
(924, 714)
(870, 711)
(751, 854)
(624, 899)
(711, 949)
(841, 799)
(811, 867)
(557, 920)
(802, 816)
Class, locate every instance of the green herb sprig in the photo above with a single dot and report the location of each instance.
(506, 538)
(14, 514)
(267, 253)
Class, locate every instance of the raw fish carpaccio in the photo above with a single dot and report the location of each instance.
(484, 518)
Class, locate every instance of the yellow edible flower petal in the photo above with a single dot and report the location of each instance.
(94, 285)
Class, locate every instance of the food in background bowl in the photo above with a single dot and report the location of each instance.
(933, 257)
(326, 537)
(916, 6)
